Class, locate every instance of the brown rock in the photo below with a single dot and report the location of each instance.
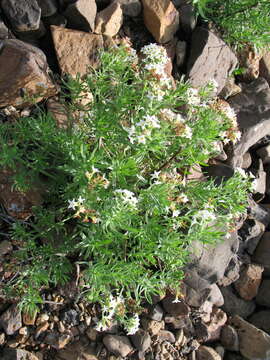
(109, 20)
(229, 338)
(29, 319)
(248, 284)
(253, 343)
(17, 204)
(11, 320)
(152, 326)
(76, 51)
(79, 350)
(59, 112)
(56, 340)
(18, 354)
(262, 252)
(5, 247)
(24, 74)
(41, 328)
(263, 297)
(249, 60)
(207, 353)
(165, 335)
(161, 18)
(217, 321)
(81, 14)
(174, 307)
(118, 345)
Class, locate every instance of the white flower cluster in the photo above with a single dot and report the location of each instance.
(132, 325)
(142, 130)
(108, 312)
(181, 128)
(249, 176)
(204, 217)
(193, 97)
(128, 197)
(74, 204)
(233, 134)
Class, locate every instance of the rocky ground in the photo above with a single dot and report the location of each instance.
(225, 309)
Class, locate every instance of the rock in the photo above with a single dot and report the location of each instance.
(118, 345)
(4, 32)
(48, 7)
(252, 107)
(249, 60)
(69, 43)
(156, 313)
(249, 281)
(165, 335)
(180, 52)
(152, 326)
(81, 15)
(213, 328)
(264, 67)
(262, 252)
(261, 320)
(231, 273)
(41, 329)
(109, 20)
(264, 154)
(5, 247)
(11, 320)
(263, 297)
(78, 350)
(56, 340)
(219, 172)
(234, 305)
(161, 19)
(92, 334)
(207, 353)
(188, 18)
(220, 350)
(212, 261)
(2, 339)
(180, 322)
(210, 58)
(251, 233)
(253, 343)
(18, 354)
(193, 297)
(70, 317)
(229, 338)
(23, 15)
(59, 113)
(131, 8)
(57, 20)
(246, 160)
(258, 212)
(215, 296)
(24, 71)
(175, 308)
(230, 89)
(29, 319)
(141, 340)
(32, 36)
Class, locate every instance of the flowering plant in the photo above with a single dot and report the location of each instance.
(119, 203)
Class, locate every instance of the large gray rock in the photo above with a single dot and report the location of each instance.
(48, 7)
(252, 107)
(210, 58)
(233, 305)
(261, 320)
(262, 252)
(258, 212)
(211, 261)
(23, 15)
(11, 320)
(17, 354)
(81, 15)
(254, 344)
(251, 233)
(24, 74)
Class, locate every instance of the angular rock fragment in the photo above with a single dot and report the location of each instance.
(131, 8)
(251, 233)
(262, 252)
(11, 320)
(118, 345)
(69, 43)
(161, 18)
(24, 77)
(252, 107)
(109, 20)
(210, 59)
(23, 15)
(253, 343)
(48, 7)
(249, 281)
(81, 15)
(229, 338)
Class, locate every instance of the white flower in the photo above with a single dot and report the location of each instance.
(141, 139)
(132, 325)
(128, 197)
(214, 84)
(176, 300)
(155, 175)
(193, 97)
(175, 213)
(183, 198)
(187, 132)
(80, 200)
(241, 172)
(95, 170)
(205, 216)
(72, 204)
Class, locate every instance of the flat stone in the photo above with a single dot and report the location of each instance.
(175, 308)
(156, 313)
(249, 281)
(76, 51)
(131, 8)
(161, 19)
(141, 340)
(18, 354)
(261, 320)
(252, 107)
(118, 345)
(234, 305)
(109, 20)
(152, 326)
(229, 338)
(210, 58)
(23, 15)
(48, 7)
(207, 353)
(11, 320)
(253, 343)
(24, 71)
(264, 67)
(262, 252)
(81, 15)
(263, 297)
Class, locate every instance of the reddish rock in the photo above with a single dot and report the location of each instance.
(109, 20)
(161, 18)
(24, 77)
(76, 51)
(248, 284)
